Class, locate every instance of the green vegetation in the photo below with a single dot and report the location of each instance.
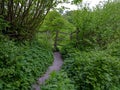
(24, 16)
(96, 28)
(21, 65)
(92, 57)
(89, 40)
(58, 81)
(55, 24)
(93, 70)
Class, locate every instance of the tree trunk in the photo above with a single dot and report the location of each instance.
(1, 7)
(10, 10)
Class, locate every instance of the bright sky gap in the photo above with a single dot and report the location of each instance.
(92, 3)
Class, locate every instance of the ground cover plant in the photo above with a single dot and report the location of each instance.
(58, 81)
(93, 70)
(21, 65)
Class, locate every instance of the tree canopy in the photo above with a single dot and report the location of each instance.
(55, 21)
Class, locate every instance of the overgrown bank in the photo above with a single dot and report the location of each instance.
(94, 69)
(92, 58)
(22, 64)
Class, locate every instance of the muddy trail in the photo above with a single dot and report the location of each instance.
(56, 66)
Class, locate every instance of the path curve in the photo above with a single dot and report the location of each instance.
(56, 66)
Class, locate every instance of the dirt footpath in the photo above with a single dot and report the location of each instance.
(56, 66)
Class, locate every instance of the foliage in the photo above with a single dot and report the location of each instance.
(24, 16)
(58, 81)
(3, 24)
(77, 1)
(93, 63)
(54, 24)
(45, 40)
(93, 70)
(21, 65)
(91, 58)
(113, 48)
(54, 21)
(97, 27)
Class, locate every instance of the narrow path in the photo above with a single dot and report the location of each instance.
(56, 66)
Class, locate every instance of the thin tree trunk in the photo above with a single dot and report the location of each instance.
(10, 10)
(1, 7)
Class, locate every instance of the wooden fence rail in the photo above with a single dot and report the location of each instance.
(57, 38)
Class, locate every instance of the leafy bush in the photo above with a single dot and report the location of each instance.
(114, 48)
(94, 70)
(21, 65)
(97, 27)
(3, 23)
(91, 69)
(97, 65)
(45, 40)
(58, 81)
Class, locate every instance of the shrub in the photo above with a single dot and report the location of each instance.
(21, 65)
(94, 70)
(58, 81)
(114, 48)
(97, 27)
(3, 24)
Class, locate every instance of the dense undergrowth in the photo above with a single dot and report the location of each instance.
(22, 64)
(58, 81)
(92, 61)
(95, 69)
(91, 56)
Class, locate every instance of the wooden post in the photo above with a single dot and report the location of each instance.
(55, 42)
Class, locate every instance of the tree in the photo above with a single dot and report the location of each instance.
(55, 23)
(24, 16)
(97, 27)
